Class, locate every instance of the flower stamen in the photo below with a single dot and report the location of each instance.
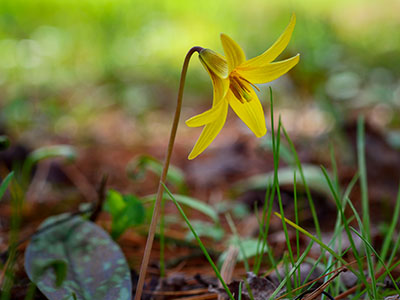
(239, 89)
(254, 86)
(236, 89)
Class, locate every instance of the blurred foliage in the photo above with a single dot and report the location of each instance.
(138, 167)
(62, 63)
(126, 211)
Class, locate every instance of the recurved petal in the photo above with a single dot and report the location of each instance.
(209, 132)
(276, 49)
(233, 53)
(207, 116)
(215, 62)
(269, 72)
(251, 112)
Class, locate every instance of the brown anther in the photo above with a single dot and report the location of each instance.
(235, 91)
(241, 91)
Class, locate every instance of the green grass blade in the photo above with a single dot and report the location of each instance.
(5, 183)
(268, 200)
(370, 263)
(345, 221)
(202, 247)
(295, 267)
(379, 258)
(318, 241)
(362, 169)
(392, 227)
(278, 192)
(296, 218)
(308, 193)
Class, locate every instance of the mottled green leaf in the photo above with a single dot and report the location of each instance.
(59, 267)
(95, 265)
(126, 211)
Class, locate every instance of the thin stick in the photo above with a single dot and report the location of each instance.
(157, 204)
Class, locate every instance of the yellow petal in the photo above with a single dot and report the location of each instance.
(210, 131)
(220, 86)
(215, 62)
(269, 72)
(207, 116)
(250, 112)
(234, 54)
(276, 49)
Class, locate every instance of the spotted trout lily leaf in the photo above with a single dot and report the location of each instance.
(234, 78)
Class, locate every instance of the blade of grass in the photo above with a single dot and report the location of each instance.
(30, 294)
(316, 263)
(379, 258)
(334, 168)
(263, 224)
(338, 242)
(246, 283)
(278, 192)
(268, 200)
(295, 267)
(17, 198)
(202, 247)
(5, 183)
(296, 218)
(240, 291)
(340, 208)
(263, 236)
(370, 263)
(362, 169)
(308, 193)
(394, 251)
(392, 227)
(285, 267)
(318, 241)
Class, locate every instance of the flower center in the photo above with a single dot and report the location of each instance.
(240, 87)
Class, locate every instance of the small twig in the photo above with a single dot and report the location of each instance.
(320, 290)
(80, 181)
(101, 196)
(359, 286)
(177, 293)
(300, 297)
(200, 297)
(340, 269)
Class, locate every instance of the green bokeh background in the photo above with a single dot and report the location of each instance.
(64, 62)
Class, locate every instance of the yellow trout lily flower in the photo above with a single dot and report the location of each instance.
(233, 79)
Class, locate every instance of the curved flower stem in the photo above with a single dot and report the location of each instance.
(157, 204)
